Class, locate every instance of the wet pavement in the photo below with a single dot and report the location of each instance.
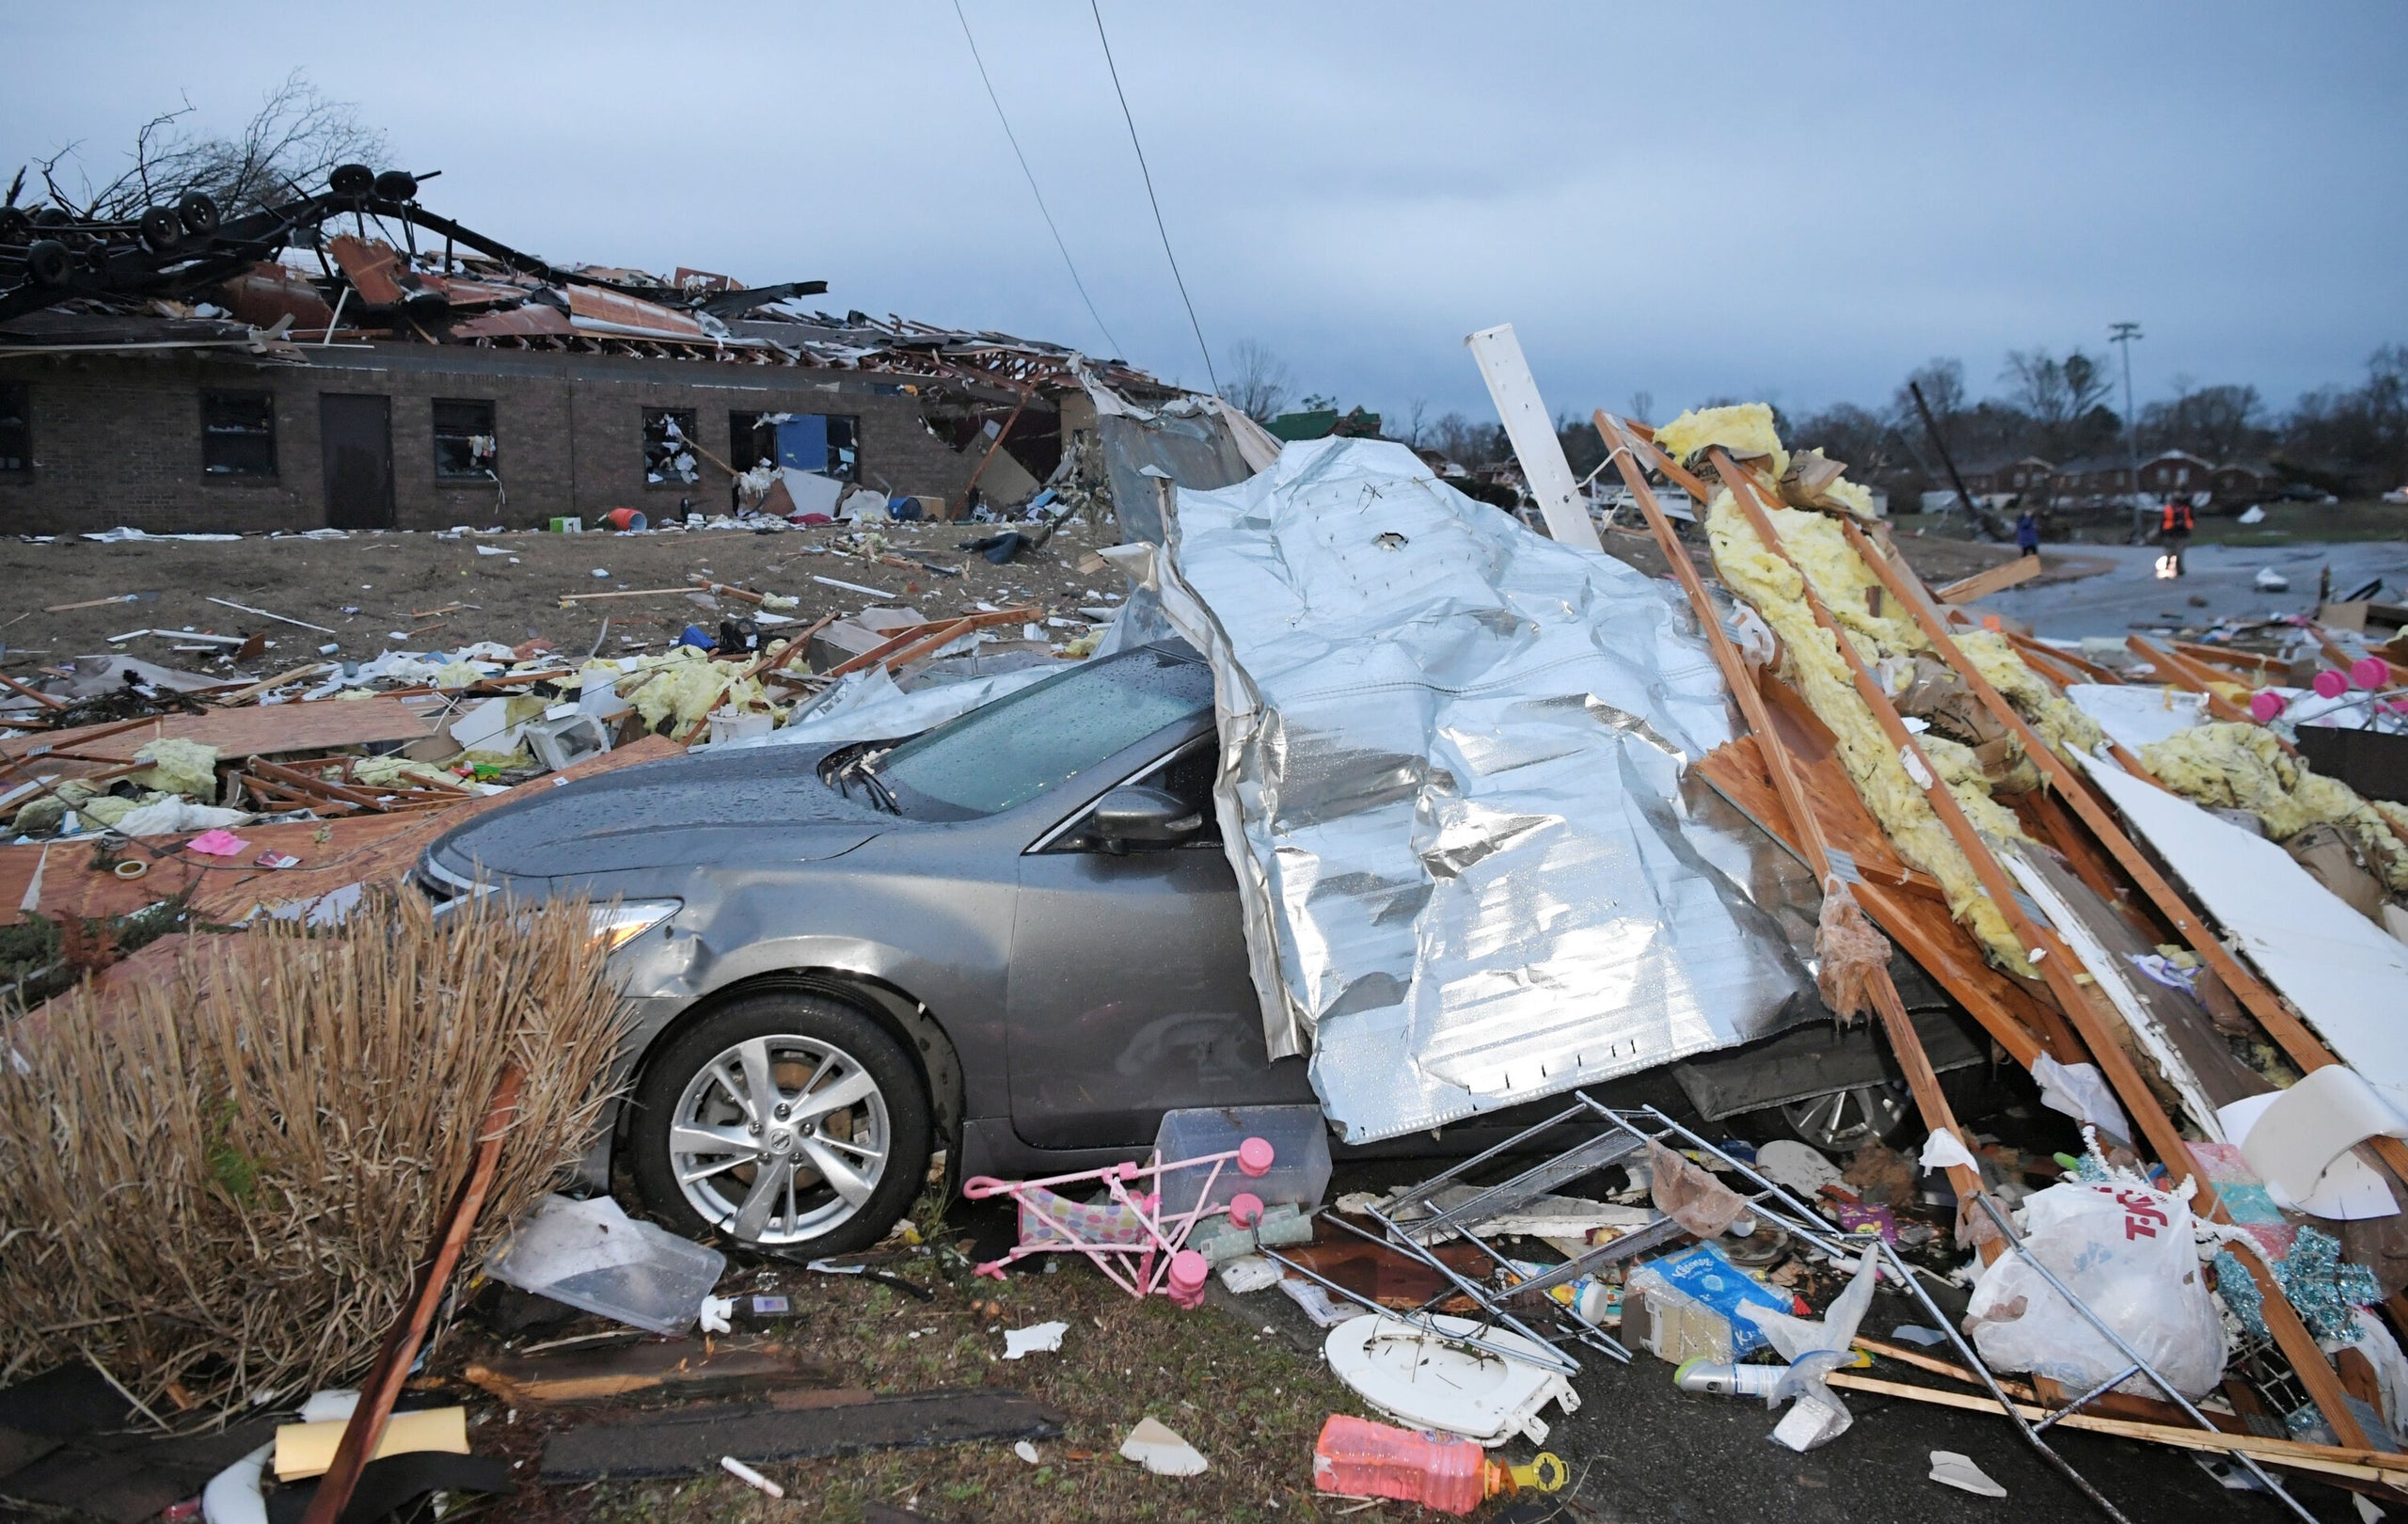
(2217, 584)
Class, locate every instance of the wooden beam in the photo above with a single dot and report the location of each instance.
(45, 700)
(1991, 579)
(2356, 1461)
(384, 1384)
(2085, 668)
(910, 635)
(2181, 673)
(2301, 1045)
(2058, 966)
(1905, 1045)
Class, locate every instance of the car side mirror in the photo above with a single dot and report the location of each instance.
(1135, 812)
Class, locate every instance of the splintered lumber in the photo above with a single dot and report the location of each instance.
(367, 1426)
(307, 668)
(679, 1368)
(2080, 668)
(628, 593)
(1904, 1044)
(2061, 969)
(2186, 674)
(1990, 580)
(796, 645)
(905, 643)
(2353, 1461)
(690, 1441)
(45, 700)
(2301, 1045)
(245, 732)
(1917, 920)
(724, 590)
(334, 853)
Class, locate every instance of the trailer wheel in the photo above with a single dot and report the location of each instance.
(48, 262)
(396, 185)
(161, 229)
(15, 227)
(197, 213)
(352, 179)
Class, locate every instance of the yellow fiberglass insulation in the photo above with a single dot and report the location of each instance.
(1745, 430)
(1853, 496)
(1822, 677)
(686, 685)
(2229, 765)
(179, 767)
(1845, 582)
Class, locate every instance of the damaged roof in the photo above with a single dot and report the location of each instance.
(185, 278)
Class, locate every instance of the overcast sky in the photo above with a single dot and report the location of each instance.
(1780, 201)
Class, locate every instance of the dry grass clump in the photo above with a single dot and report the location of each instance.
(217, 1184)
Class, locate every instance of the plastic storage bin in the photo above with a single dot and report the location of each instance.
(1299, 1140)
(594, 1256)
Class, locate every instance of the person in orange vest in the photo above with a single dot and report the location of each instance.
(2174, 531)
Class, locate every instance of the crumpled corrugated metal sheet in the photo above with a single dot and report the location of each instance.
(1452, 753)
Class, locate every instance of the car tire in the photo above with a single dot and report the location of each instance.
(692, 1122)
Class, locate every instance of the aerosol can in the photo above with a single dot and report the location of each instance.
(1718, 1379)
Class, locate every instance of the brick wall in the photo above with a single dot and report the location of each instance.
(116, 439)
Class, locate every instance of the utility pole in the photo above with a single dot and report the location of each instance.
(2122, 335)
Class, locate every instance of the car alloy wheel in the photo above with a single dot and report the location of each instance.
(780, 1140)
(1839, 1121)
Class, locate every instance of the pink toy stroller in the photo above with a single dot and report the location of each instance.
(1127, 1236)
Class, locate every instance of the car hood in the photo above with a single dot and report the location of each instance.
(749, 806)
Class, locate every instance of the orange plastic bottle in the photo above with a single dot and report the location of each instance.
(1379, 1460)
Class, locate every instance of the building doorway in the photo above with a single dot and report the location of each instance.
(356, 437)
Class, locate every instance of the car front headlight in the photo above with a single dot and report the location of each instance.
(615, 926)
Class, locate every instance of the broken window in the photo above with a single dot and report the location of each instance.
(465, 450)
(747, 447)
(16, 426)
(668, 447)
(823, 443)
(238, 434)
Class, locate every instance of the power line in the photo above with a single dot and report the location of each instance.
(1118, 352)
(1151, 197)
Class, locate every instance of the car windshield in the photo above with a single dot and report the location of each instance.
(1008, 752)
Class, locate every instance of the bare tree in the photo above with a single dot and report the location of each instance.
(2054, 392)
(2218, 421)
(1642, 407)
(1259, 380)
(1415, 414)
(294, 138)
(1942, 380)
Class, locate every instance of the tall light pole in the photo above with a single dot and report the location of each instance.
(2122, 335)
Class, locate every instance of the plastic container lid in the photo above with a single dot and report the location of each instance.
(2265, 706)
(2331, 683)
(2370, 673)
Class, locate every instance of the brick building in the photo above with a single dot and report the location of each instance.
(393, 436)
(272, 372)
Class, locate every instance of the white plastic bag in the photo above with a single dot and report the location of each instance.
(2128, 1251)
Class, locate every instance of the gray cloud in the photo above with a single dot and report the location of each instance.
(1793, 203)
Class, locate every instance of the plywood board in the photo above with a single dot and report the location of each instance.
(369, 850)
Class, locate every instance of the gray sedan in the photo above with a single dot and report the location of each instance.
(1017, 930)
(1016, 935)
